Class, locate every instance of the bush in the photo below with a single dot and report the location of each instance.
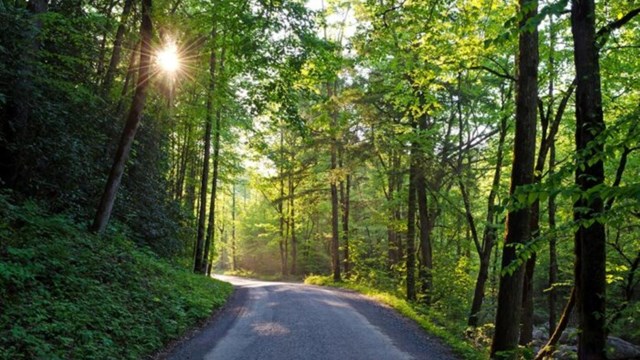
(66, 293)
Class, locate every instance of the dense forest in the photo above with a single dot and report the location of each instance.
(476, 158)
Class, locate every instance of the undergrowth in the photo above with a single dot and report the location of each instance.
(68, 294)
(431, 323)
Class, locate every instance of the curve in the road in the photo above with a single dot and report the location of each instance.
(272, 320)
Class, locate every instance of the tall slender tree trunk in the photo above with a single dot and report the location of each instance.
(103, 212)
(553, 256)
(129, 76)
(505, 339)
(199, 261)
(107, 11)
(411, 221)
(393, 252)
(117, 47)
(208, 244)
(426, 216)
(292, 220)
(345, 187)
(233, 228)
(489, 233)
(551, 207)
(335, 207)
(282, 239)
(590, 236)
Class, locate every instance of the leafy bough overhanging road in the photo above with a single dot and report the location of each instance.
(272, 320)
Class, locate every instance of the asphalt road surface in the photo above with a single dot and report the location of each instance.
(273, 320)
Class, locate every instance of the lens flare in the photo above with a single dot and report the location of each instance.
(168, 59)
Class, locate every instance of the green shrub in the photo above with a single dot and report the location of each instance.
(67, 294)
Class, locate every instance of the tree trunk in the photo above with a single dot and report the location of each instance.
(553, 257)
(208, 244)
(103, 44)
(548, 348)
(344, 201)
(590, 237)
(292, 221)
(199, 261)
(426, 218)
(133, 120)
(129, 76)
(335, 244)
(411, 222)
(505, 339)
(117, 47)
(233, 228)
(283, 253)
(489, 234)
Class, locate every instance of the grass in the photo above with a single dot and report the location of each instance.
(410, 310)
(68, 294)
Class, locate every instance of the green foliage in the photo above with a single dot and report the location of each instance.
(69, 294)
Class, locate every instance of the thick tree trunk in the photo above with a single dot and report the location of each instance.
(117, 47)
(133, 120)
(505, 339)
(590, 237)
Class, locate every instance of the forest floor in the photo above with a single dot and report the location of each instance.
(276, 320)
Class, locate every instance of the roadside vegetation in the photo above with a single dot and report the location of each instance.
(68, 294)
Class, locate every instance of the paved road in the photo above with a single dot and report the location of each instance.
(272, 320)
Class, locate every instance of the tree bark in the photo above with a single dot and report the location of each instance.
(199, 261)
(233, 228)
(489, 234)
(505, 339)
(411, 222)
(133, 120)
(208, 244)
(590, 237)
(553, 256)
(292, 220)
(117, 47)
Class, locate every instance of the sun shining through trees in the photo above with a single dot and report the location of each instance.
(168, 58)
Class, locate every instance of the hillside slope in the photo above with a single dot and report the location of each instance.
(65, 293)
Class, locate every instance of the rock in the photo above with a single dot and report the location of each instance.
(618, 349)
(569, 336)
